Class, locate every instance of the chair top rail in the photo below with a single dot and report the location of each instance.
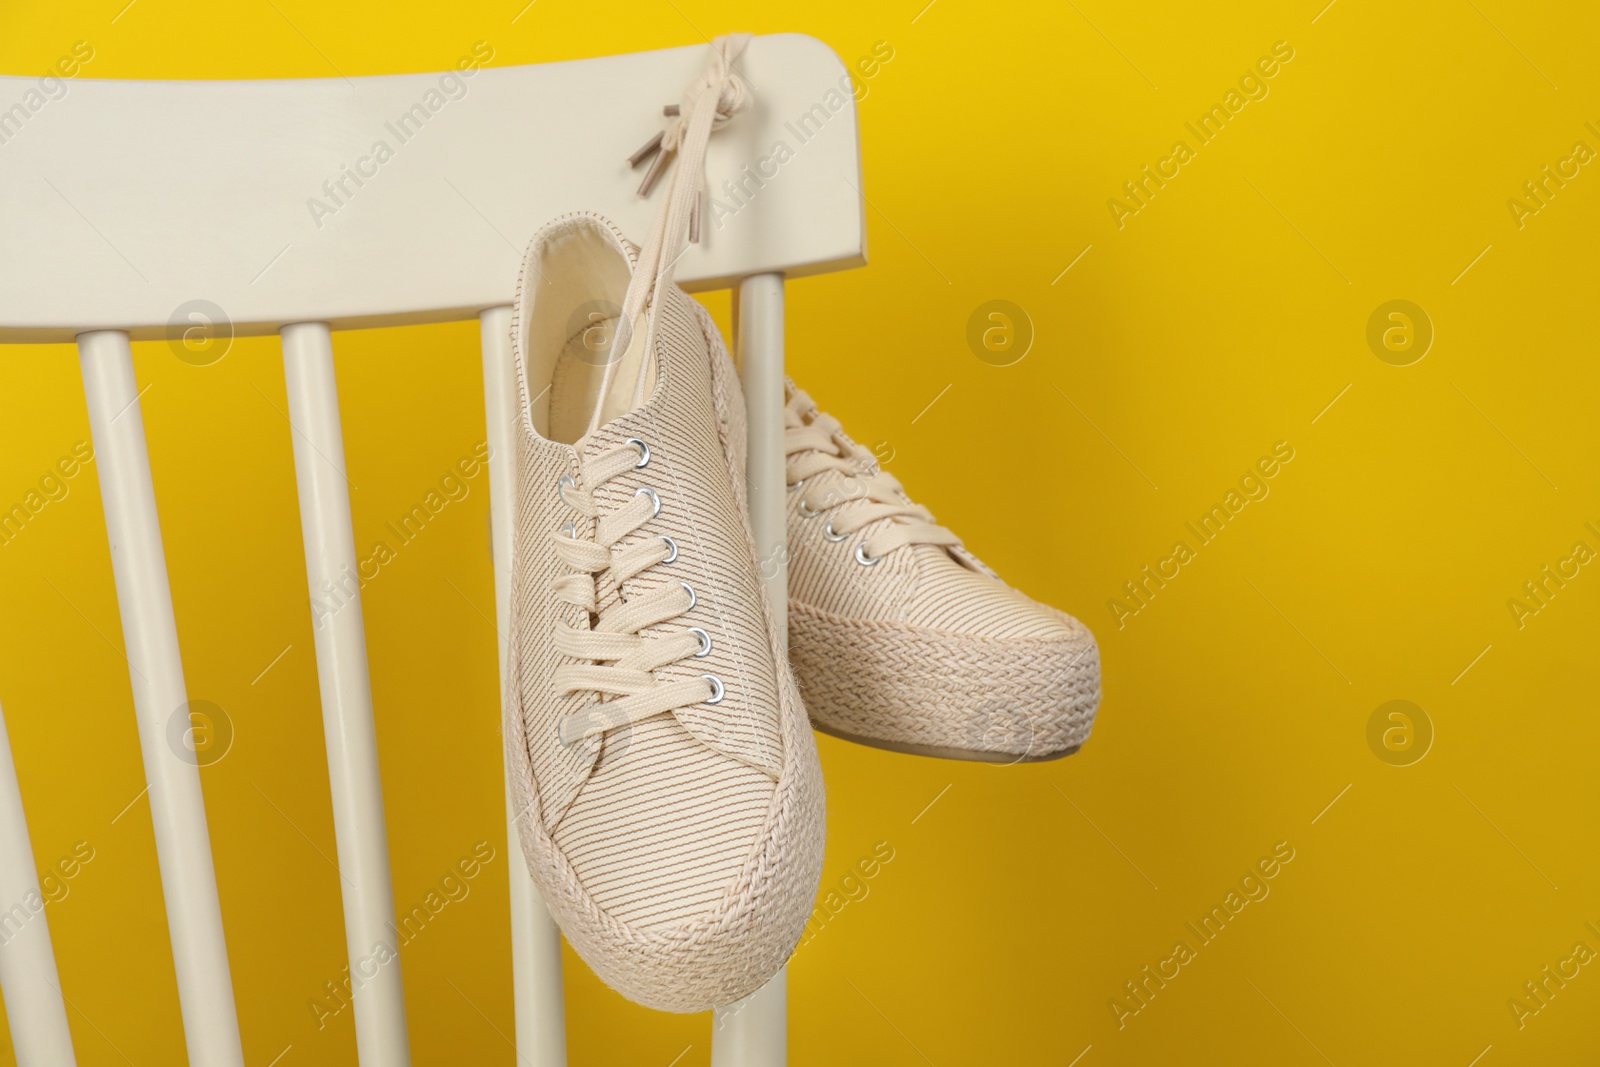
(376, 201)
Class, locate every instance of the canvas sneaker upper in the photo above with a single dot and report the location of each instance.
(903, 638)
(667, 786)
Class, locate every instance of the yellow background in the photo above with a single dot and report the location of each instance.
(1224, 317)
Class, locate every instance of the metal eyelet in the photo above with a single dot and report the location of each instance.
(717, 690)
(563, 483)
(693, 600)
(705, 642)
(672, 549)
(792, 486)
(655, 501)
(805, 512)
(827, 531)
(864, 559)
(644, 452)
(569, 528)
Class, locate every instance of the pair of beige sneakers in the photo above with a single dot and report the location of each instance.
(663, 765)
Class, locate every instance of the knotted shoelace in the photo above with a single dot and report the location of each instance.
(616, 660)
(814, 443)
(709, 104)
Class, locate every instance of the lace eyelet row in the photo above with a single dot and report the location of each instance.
(861, 556)
(569, 528)
(718, 690)
(566, 481)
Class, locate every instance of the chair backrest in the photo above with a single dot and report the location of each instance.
(399, 198)
(145, 209)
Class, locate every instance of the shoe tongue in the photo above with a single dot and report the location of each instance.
(595, 442)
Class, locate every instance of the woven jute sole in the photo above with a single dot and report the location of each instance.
(970, 755)
(952, 696)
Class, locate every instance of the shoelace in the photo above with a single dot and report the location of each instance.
(619, 661)
(814, 443)
(616, 659)
(708, 104)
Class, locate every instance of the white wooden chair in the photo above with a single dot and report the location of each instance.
(139, 209)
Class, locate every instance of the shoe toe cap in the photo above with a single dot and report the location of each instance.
(691, 898)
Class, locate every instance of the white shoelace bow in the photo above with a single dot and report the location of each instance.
(617, 660)
(813, 443)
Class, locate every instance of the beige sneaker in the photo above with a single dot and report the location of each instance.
(672, 799)
(904, 640)
(668, 784)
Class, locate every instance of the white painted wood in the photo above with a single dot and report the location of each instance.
(341, 643)
(124, 203)
(541, 1032)
(123, 200)
(150, 634)
(754, 1032)
(34, 1009)
(758, 345)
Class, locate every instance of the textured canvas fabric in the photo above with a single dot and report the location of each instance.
(679, 854)
(923, 648)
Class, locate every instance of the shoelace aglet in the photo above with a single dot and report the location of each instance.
(694, 219)
(658, 167)
(652, 146)
(648, 149)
